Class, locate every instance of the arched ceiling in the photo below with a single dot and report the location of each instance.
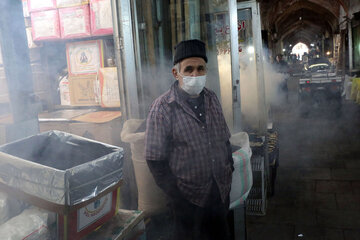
(292, 21)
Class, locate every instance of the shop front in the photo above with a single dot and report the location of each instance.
(91, 65)
(149, 30)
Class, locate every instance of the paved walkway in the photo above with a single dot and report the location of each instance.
(318, 185)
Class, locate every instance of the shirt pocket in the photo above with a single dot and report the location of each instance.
(186, 130)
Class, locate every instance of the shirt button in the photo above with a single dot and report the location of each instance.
(195, 107)
(203, 127)
(200, 114)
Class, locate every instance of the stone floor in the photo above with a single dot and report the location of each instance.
(318, 181)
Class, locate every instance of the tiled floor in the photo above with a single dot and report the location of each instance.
(318, 182)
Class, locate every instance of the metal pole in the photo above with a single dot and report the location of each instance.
(350, 43)
(18, 73)
(235, 67)
(262, 106)
(118, 46)
(125, 56)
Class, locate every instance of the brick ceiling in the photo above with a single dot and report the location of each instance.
(301, 20)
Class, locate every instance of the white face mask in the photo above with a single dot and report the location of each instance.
(193, 85)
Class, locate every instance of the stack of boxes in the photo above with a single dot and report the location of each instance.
(68, 19)
(84, 59)
(61, 20)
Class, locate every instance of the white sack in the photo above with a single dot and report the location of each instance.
(9, 207)
(31, 224)
(151, 198)
(242, 178)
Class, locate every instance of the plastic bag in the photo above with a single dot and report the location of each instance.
(242, 178)
(31, 224)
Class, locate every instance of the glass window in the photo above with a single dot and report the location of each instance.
(162, 24)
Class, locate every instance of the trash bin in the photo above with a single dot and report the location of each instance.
(77, 178)
(151, 199)
(60, 167)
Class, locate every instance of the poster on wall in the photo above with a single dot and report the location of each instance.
(85, 57)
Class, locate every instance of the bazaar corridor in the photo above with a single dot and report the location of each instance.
(317, 193)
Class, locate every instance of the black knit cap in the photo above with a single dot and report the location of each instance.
(189, 48)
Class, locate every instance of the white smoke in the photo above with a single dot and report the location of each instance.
(249, 87)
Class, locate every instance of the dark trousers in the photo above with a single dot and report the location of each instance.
(192, 222)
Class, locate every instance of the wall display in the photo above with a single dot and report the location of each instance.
(84, 57)
(45, 25)
(75, 22)
(41, 5)
(101, 17)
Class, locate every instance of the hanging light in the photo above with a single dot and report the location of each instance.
(250, 49)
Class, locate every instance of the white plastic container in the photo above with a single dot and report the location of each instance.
(64, 91)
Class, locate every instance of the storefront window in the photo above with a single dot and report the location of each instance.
(162, 24)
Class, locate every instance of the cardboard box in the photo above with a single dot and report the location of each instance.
(41, 5)
(82, 188)
(101, 17)
(45, 25)
(103, 126)
(84, 57)
(79, 223)
(109, 87)
(82, 90)
(75, 22)
(70, 3)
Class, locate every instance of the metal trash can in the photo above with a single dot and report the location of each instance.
(75, 177)
(59, 167)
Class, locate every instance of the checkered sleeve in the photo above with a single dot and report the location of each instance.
(157, 136)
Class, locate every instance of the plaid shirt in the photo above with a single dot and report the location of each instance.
(196, 151)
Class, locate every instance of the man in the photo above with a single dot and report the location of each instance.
(282, 67)
(188, 149)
